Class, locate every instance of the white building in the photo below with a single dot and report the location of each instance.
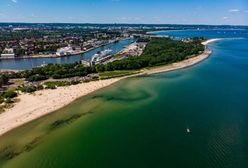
(8, 53)
(65, 51)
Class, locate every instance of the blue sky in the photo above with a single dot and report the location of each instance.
(126, 11)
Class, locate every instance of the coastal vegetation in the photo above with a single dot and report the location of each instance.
(31, 89)
(159, 51)
(56, 71)
(3, 80)
(7, 96)
(115, 74)
(6, 99)
(48, 85)
(55, 84)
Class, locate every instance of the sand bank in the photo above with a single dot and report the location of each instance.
(34, 106)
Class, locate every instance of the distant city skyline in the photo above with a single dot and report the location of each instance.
(213, 12)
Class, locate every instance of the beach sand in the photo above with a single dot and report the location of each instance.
(211, 40)
(34, 106)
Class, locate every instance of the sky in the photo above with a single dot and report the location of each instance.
(214, 12)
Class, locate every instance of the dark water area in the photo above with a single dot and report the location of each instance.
(29, 63)
(143, 121)
(222, 33)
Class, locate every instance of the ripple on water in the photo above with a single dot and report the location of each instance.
(221, 146)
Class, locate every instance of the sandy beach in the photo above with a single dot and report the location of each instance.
(211, 40)
(185, 63)
(180, 65)
(33, 106)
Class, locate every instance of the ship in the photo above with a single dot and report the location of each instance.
(101, 57)
(65, 51)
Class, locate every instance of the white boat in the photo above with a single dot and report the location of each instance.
(42, 65)
(101, 57)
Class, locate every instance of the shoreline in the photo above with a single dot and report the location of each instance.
(185, 63)
(49, 101)
(51, 55)
(55, 56)
(158, 31)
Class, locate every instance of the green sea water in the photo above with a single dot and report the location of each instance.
(142, 122)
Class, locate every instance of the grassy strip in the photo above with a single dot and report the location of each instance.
(115, 74)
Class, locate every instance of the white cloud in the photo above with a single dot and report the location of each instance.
(226, 18)
(234, 10)
(14, 1)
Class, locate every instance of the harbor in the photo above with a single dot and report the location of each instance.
(164, 114)
(29, 63)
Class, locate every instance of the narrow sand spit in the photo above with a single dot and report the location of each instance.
(34, 106)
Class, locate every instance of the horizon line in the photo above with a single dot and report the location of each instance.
(184, 24)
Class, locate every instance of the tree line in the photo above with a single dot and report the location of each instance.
(159, 51)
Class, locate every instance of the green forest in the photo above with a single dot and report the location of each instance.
(159, 51)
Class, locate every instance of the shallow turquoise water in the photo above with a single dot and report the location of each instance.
(142, 122)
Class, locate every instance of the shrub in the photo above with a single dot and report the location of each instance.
(8, 100)
(3, 80)
(36, 78)
(31, 89)
(9, 94)
(75, 82)
(50, 86)
(1, 100)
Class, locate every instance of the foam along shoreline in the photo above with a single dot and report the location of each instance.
(41, 103)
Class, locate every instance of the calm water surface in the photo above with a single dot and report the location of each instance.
(141, 122)
(24, 64)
